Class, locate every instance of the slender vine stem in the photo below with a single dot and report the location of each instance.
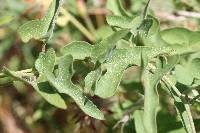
(78, 25)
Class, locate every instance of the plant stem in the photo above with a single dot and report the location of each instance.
(26, 70)
(89, 24)
(2, 75)
(78, 25)
(187, 106)
(194, 99)
(189, 114)
(167, 80)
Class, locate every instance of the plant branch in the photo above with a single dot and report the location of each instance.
(3, 75)
(78, 25)
(188, 14)
(82, 9)
(187, 106)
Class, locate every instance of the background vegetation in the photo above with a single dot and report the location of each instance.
(23, 110)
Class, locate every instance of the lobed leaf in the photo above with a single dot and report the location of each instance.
(64, 85)
(38, 29)
(120, 59)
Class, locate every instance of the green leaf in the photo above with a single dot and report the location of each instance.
(119, 21)
(183, 75)
(195, 67)
(45, 62)
(119, 61)
(78, 50)
(122, 58)
(91, 81)
(49, 94)
(105, 46)
(151, 99)
(64, 85)
(5, 19)
(43, 28)
(43, 88)
(132, 24)
(187, 72)
(181, 36)
(116, 7)
(104, 32)
(149, 33)
(139, 123)
(182, 40)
